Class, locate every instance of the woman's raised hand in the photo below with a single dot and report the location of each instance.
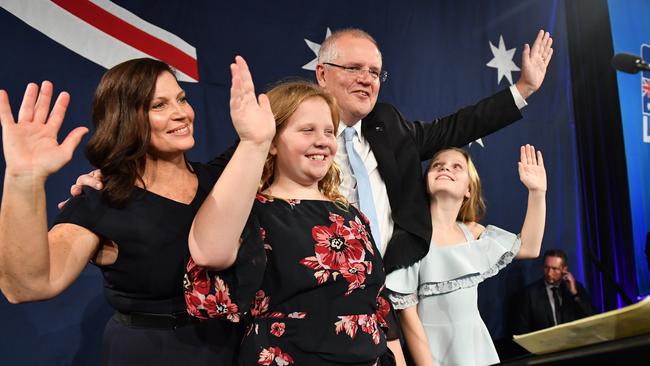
(30, 144)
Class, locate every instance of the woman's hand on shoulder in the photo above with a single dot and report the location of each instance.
(531, 169)
(30, 143)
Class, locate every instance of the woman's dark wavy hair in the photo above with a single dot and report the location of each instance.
(121, 119)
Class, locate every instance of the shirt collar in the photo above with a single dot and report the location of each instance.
(550, 286)
(342, 126)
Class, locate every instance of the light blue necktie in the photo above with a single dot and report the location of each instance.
(366, 203)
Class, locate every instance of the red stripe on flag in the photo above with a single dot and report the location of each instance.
(133, 36)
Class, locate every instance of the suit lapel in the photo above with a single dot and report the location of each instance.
(375, 132)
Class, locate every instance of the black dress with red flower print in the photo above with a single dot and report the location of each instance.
(318, 302)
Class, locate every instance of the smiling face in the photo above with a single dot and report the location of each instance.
(171, 118)
(356, 94)
(448, 173)
(306, 144)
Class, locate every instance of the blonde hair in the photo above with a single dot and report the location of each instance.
(285, 99)
(473, 208)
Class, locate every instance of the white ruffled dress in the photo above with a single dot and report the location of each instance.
(444, 287)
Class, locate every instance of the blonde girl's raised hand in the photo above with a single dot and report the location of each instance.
(533, 176)
(531, 169)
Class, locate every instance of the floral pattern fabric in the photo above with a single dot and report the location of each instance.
(321, 298)
(207, 295)
(339, 251)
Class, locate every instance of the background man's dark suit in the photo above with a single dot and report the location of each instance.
(534, 311)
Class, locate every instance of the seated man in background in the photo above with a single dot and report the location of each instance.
(555, 299)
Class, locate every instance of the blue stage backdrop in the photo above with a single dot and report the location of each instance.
(631, 34)
(440, 56)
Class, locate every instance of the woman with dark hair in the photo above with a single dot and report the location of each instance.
(135, 229)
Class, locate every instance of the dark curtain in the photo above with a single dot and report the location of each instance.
(601, 154)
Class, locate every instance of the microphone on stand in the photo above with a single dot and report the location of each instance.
(629, 63)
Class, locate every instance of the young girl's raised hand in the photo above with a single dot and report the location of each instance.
(531, 169)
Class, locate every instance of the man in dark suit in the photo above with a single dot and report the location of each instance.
(380, 152)
(392, 148)
(555, 299)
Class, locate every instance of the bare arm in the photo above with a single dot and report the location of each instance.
(35, 265)
(215, 233)
(396, 347)
(416, 338)
(533, 176)
(39, 271)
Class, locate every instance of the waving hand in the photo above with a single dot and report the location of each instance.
(531, 169)
(252, 117)
(30, 144)
(534, 61)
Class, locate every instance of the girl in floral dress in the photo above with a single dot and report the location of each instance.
(316, 274)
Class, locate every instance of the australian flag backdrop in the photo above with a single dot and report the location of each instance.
(440, 55)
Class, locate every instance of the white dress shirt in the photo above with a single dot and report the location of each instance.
(520, 102)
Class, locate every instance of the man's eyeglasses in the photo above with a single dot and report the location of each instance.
(355, 70)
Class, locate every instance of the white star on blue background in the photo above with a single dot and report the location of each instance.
(315, 47)
(502, 61)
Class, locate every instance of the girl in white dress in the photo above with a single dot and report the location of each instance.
(436, 298)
